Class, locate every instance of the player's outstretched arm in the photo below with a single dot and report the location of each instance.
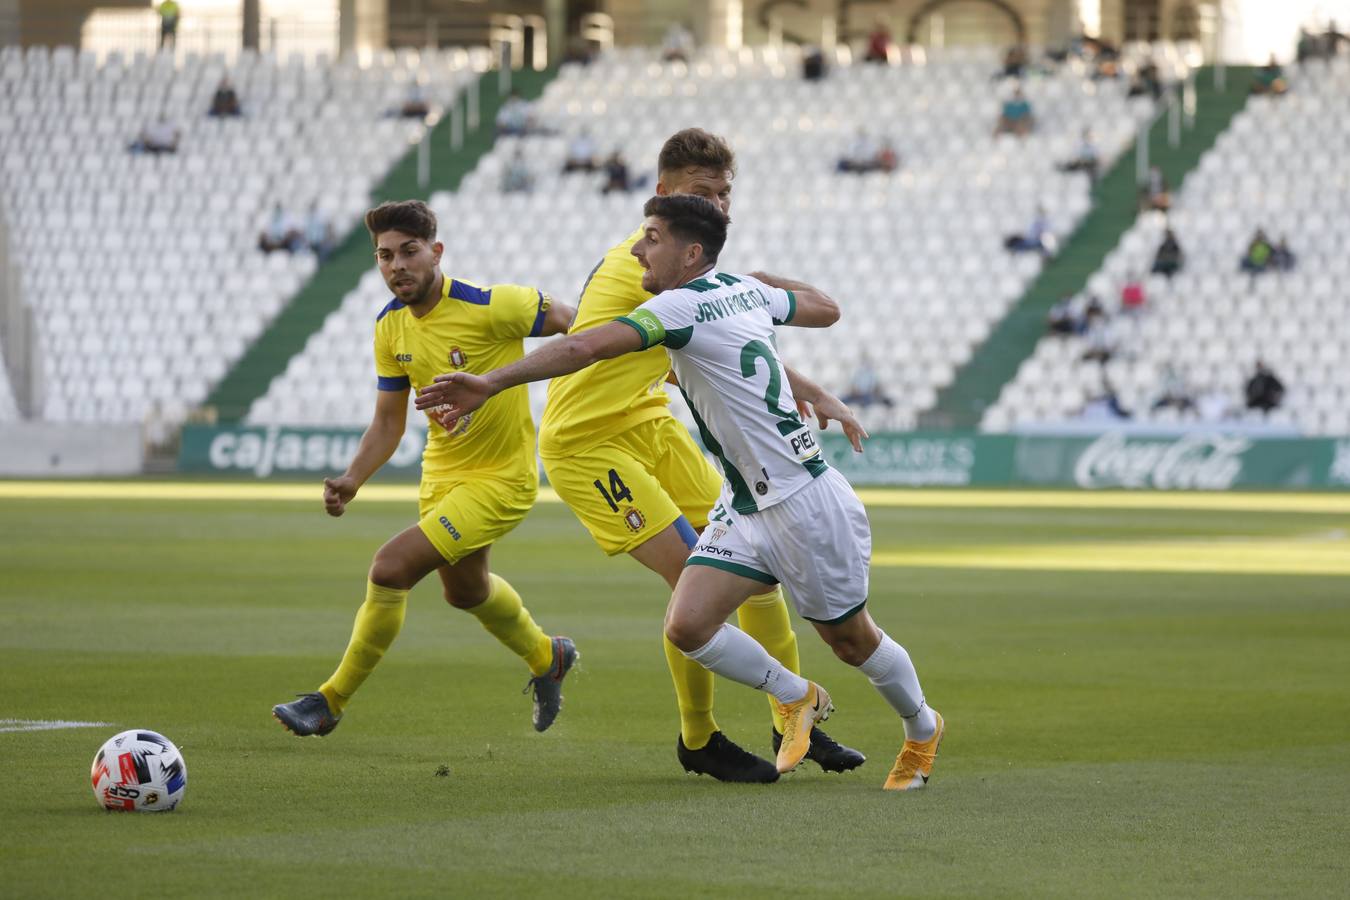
(815, 308)
(377, 445)
(461, 393)
(813, 399)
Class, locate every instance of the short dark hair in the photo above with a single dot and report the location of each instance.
(694, 148)
(408, 216)
(693, 220)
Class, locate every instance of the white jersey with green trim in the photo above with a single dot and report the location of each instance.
(719, 329)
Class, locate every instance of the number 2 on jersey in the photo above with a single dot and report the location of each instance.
(757, 350)
(617, 490)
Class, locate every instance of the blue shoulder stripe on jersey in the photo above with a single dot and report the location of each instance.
(470, 294)
(391, 306)
(393, 382)
(538, 327)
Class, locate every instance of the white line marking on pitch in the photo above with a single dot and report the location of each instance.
(46, 724)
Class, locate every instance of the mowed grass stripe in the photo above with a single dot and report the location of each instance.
(1330, 504)
(1232, 557)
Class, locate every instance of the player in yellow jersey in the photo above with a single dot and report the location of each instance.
(639, 483)
(478, 482)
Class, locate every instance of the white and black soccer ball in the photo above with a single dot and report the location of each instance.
(139, 771)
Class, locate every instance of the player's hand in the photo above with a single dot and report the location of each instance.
(337, 493)
(830, 408)
(451, 397)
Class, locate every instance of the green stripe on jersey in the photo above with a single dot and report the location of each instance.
(792, 310)
(741, 499)
(679, 337)
(701, 285)
(733, 568)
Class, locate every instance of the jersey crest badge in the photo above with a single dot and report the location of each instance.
(634, 519)
(457, 358)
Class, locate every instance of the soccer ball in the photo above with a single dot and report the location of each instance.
(139, 771)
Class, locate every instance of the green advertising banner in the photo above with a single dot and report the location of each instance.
(270, 451)
(1209, 461)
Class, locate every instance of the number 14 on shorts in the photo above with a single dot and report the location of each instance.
(618, 492)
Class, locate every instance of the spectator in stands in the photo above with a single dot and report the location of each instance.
(160, 137)
(225, 101)
(319, 232)
(580, 154)
(1105, 57)
(1264, 390)
(1212, 405)
(1086, 159)
(1099, 334)
(1332, 39)
(887, 160)
(1016, 117)
(865, 155)
(865, 388)
(1282, 259)
(282, 232)
(1132, 296)
(1269, 79)
(1156, 194)
(168, 23)
(517, 178)
(678, 44)
(1014, 62)
(1104, 406)
(580, 51)
(1037, 238)
(1170, 258)
(1308, 46)
(1061, 320)
(1257, 258)
(616, 174)
(415, 105)
(1176, 394)
(879, 44)
(1146, 82)
(813, 63)
(515, 117)
(1092, 311)
(860, 155)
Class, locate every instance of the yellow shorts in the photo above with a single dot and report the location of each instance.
(461, 516)
(630, 487)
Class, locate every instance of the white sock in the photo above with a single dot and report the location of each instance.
(892, 673)
(736, 655)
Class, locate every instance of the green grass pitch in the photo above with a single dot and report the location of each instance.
(1110, 734)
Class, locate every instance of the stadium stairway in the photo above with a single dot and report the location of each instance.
(1115, 207)
(305, 314)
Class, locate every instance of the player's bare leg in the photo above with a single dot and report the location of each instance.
(696, 624)
(860, 643)
(702, 748)
(764, 617)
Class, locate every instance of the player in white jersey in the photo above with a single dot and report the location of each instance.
(785, 516)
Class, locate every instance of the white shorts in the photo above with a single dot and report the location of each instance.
(816, 543)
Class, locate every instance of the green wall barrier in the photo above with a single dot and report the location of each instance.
(1202, 460)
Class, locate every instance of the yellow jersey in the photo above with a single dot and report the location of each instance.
(471, 329)
(613, 395)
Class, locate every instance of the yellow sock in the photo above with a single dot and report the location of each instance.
(765, 618)
(507, 619)
(694, 694)
(378, 622)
